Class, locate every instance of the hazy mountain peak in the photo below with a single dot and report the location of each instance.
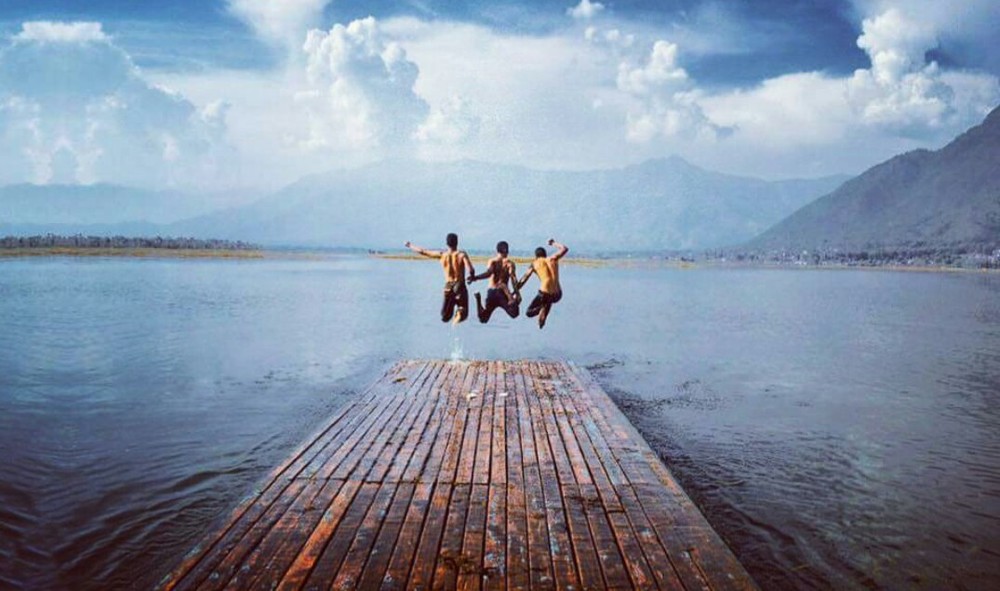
(948, 198)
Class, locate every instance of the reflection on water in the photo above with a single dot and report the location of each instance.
(838, 428)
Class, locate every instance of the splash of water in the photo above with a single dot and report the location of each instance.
(457, 352)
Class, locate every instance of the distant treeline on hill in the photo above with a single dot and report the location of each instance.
(80, 241)
(977, 256)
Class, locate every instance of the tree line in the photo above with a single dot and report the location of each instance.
(81, 241)
(984, 256)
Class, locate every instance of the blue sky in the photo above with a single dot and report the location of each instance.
(257, 93)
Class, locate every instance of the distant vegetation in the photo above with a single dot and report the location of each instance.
(982, 256)
(121, 242)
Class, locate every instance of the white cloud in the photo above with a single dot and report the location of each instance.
(279, 22)
(59, 32)
(360, 93)
(453, 122)
(585, 10)
(613, 38)
(903, 92)
(74, 107)
(667, 99)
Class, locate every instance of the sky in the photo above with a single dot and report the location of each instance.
(231, 94)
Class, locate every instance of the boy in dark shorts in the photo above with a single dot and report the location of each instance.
(500, 270)
(550, 292)
(455, 264)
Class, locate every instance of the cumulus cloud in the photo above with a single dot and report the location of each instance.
(360, 92)
(279, 22)
(904, 92)
(585, 10)
(452, 123)
(667, 99)
(73, 107)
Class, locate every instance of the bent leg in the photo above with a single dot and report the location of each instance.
(480, 311)
(544, 315)
(535, 306)
(513, 310)
(462, 301)
(448, 307)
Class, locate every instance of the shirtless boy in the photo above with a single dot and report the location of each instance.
(455, 263)
(550, 292)
(500, 270)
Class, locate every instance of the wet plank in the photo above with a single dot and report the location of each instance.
(535, 481)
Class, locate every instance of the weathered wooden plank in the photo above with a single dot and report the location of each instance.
(450, 554)
(539, 553)
(552, 451)
(484, 436)
(517, 519)
(470, 443)
(495, 547)
(398, 571)
(470, 562)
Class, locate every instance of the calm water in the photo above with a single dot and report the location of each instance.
(841, 429)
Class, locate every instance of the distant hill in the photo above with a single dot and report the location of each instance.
(658, 205)
(946, 199)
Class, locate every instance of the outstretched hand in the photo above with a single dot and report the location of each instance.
(552, 241)
(470, 279)
(407, 244)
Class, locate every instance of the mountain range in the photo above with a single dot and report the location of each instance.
(657, 205)
(945, 199)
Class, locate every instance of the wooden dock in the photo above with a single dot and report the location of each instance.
(468, 475)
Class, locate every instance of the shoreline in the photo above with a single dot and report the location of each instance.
(478, 259)
(653, 263)
(171, 253)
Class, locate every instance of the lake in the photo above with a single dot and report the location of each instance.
(839, 428)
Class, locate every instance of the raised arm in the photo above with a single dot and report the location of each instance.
(434, 254)
(561, 251)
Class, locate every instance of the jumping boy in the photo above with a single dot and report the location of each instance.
(500, 270)
(455, 264)
(550, 292)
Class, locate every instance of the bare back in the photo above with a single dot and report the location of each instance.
(453, 263)
(501, 271)
(548, 273)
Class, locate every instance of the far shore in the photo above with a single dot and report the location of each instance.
(617, 261)
(674, 263)
(173, 253)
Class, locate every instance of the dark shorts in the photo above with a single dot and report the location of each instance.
(455, 295)
(542, 301)
(496, 298)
